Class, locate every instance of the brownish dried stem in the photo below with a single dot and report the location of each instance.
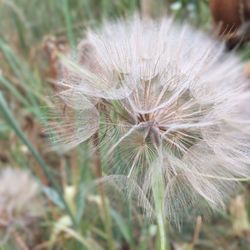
(19, 241)
(43, 246)
(247, 69)
(64, 180)
(146, 8)
(153, 8)
(105, 213)
(197, 231)
(74, 167)
(98, 169)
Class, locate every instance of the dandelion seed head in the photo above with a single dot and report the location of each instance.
(170, 101)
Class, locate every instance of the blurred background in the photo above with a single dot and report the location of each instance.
(33, 33)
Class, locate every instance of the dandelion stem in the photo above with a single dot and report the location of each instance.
(158, 193)
(162, 232)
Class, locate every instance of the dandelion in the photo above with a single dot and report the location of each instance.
(20, 202)
(169, 102)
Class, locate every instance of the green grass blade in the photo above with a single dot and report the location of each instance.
(68, 22)
(8, 85)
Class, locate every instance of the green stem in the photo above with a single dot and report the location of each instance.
(158, 195)
(162, 232)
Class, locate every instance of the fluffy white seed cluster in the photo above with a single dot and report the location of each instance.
(20, 201)
(168, 101)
